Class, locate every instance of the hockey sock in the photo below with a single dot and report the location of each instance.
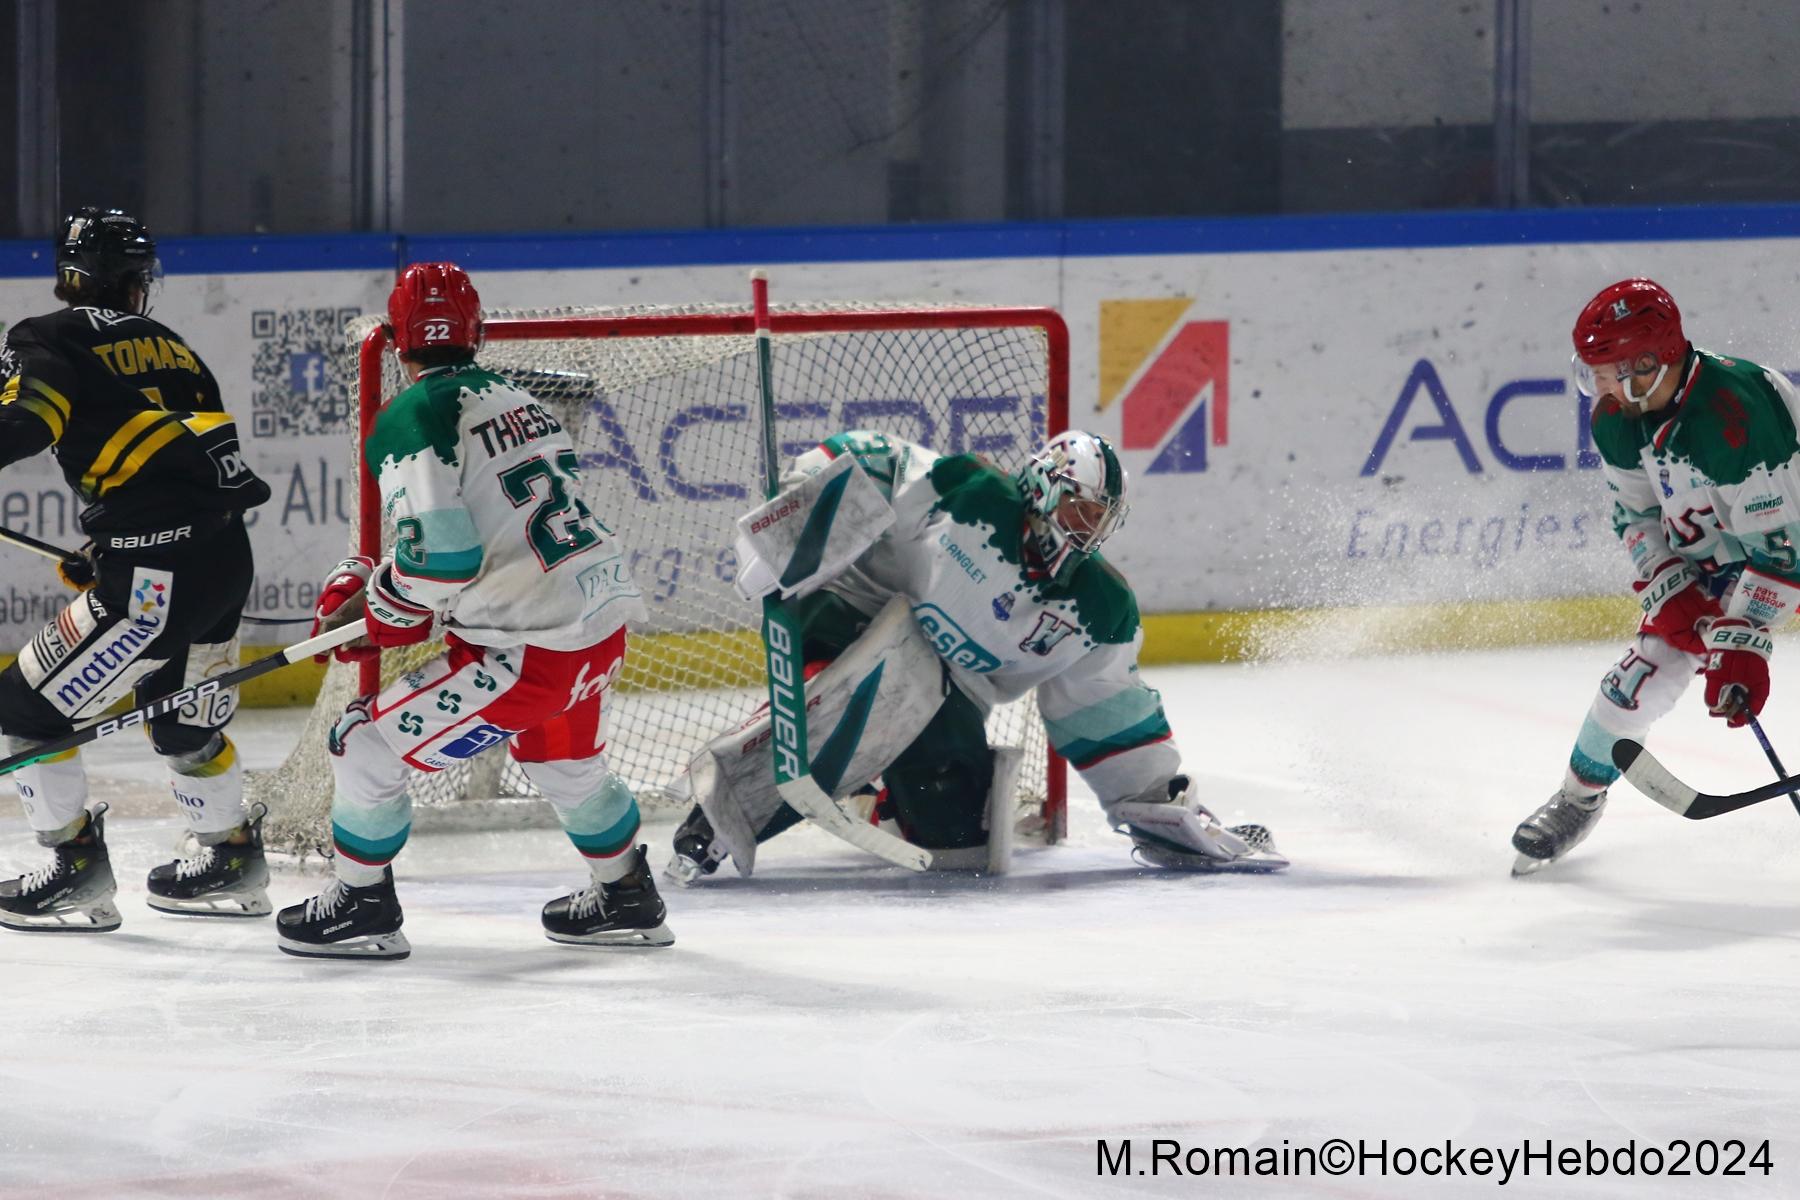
(367, 837)
(209, 786)
(54, 792)
(603, 827)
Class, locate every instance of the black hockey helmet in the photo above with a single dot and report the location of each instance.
(100, 254)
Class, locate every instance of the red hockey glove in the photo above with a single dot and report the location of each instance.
(341, 602)
(1737, 670)
(1674, 603)
(393, 619)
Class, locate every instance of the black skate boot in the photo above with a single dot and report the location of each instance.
(73, 894)
(226, 879)
(345, 922)
(1556, 828)
(626, 912)
(695, 852)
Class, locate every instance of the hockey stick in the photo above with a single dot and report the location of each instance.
(781, 640)
(25, 541)
(96, 730)
(1660, 784)
(1774, 759)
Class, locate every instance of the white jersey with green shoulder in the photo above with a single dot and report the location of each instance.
(479, 482)
(957, 551)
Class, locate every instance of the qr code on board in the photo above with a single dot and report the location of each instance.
(302, 378)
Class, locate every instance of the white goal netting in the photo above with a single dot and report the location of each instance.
(662, 404)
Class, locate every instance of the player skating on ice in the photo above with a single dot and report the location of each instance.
(1700, 454)
(945, 586)
(495, 552)
(133, 416)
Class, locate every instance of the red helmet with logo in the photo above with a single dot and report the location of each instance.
(434, 306)
(1631, 318)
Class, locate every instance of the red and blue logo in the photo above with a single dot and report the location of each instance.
(1172, 378)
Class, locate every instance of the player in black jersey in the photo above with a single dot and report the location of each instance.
(133, 416)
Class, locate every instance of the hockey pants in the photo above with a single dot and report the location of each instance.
(547, 705)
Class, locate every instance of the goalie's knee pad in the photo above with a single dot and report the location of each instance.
(862, 711)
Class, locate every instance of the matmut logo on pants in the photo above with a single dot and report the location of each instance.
(1174, 375)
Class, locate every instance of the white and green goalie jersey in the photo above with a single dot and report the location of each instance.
(479, 483)
(957, 552)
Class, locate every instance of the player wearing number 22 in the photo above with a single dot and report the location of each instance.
(1702, 460)
(494, 552)
(133, 418)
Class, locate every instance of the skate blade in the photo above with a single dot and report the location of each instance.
(1261, 862)
(1525, 865)
(634, 938)
(100, 917)
(231, 905)
(373, 946)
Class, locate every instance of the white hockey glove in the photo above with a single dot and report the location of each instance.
(1170, 828)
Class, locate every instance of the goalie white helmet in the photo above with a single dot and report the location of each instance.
(1075, 494)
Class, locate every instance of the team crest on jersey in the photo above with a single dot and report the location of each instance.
(1003, 606)
(1046, 635)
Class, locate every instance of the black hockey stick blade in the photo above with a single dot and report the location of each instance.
(95, 730)
(1660, 784)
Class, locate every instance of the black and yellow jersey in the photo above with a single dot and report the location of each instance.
(133, 415)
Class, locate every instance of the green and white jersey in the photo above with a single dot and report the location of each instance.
(1713, 478)
(957, 552)
(480, 484)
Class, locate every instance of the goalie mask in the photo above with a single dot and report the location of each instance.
(1631, 331)
(434, 308)
(102, 254)
(1074, 497)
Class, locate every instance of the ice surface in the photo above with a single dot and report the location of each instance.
(836, 1028)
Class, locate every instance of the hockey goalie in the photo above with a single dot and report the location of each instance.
(929, 589)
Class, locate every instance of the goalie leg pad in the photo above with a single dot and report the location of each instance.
(733, 778)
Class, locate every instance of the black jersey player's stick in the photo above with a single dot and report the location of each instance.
(781, 641)
(25, 541)
(96, 730)
(1660, 784)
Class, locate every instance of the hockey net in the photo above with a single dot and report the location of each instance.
(662, 405)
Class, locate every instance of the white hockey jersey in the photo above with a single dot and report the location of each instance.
(957, 552)
(480, 484)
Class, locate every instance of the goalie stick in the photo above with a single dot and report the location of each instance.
(781, 640)
(1656, 781)
(96, 730)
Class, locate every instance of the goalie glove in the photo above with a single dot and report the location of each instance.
(78, 571)
(1737, 670)
(1675, 602)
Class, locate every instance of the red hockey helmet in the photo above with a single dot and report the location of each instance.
(434, 306)
(1631, 318)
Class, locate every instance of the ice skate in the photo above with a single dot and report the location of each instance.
(227, 879)
(71, 894)
(1556, 828)
(626, 912)
(346, 922)
(1258, 855)
(696, 854)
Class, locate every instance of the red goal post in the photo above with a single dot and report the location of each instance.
(911, 339)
